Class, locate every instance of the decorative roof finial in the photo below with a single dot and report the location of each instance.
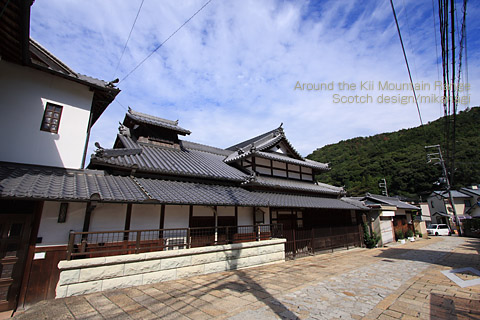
(100, 151)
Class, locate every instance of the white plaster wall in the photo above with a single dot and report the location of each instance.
(54, 233)
(145, 216)
(425, 211)
(176, 216)
(245, 216)
(226, 211)
(266, 215)
(108, 217)
(23, 96)
(459, 205)
(202, 211)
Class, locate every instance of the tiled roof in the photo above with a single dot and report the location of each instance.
(278, 157)
(252, 140)
(170, 161)
(156, 121)
(46, 183)
(288, 184)
(356, 202)
(296, 201)
(264, 142)
(455, 194)
(391, 201)
(201, 147)
(467, 191)
(24, 181)
(174, 192)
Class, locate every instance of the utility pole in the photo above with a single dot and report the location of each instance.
(383, 185)
(437, 156)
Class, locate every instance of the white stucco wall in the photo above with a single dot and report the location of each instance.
(176, 216)
(54, 233)
(145, 216)
(24, 93)
(202, 211)
(245, 216)
(226, 211)
(108, 217)
(425, 211)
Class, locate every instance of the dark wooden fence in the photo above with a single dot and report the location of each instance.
(108, 243)
(305, 242)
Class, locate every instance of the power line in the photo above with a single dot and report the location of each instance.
(4, 7)
(408, 67)
(126, 42)
(161, 44)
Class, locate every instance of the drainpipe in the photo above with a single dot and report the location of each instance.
(89, 127)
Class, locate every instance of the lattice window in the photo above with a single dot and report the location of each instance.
(51, 118)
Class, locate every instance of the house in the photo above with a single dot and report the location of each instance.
(441, 209)
(472, 205)
(389, 215)
(64, 226)
(47, 112)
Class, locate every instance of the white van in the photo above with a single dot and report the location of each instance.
(439, 230)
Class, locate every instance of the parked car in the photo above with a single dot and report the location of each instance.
(439, 230)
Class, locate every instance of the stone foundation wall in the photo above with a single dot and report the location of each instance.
(107, 273)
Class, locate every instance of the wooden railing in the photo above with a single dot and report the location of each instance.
(108, 243)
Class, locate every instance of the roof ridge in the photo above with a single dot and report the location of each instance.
(148, 116)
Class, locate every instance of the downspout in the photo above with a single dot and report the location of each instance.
(89, 127)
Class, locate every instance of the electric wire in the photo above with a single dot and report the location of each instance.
(408, 68)
(161, 44)
(436, 40)
(128, 39)
(4, 7)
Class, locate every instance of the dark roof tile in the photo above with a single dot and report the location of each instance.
(25, 181)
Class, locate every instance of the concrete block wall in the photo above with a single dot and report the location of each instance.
(106, 273)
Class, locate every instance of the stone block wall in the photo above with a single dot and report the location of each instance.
(106, 273)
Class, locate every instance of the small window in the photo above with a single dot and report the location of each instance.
(431, 202)
(467, 203)
(51, 118)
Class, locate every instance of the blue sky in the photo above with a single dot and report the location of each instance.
(231, 72)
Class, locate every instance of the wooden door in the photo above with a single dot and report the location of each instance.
(14, 236)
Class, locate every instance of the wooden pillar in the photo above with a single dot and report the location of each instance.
(236, 215)
(215, 215)
(162, 217)
(88, 215)
(128, 218)
(190, 216)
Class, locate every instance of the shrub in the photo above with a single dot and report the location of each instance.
(371, 240)
(409, 233)
(399, 234)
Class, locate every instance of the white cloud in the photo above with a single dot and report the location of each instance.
(230, 73)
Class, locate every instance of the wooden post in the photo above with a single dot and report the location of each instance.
(313, 242)
(71, 241)
(137, 242)
(189, 240)
(294, 244)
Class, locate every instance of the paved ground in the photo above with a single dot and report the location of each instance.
(400, 282)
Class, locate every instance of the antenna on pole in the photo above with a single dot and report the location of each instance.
(383, 187)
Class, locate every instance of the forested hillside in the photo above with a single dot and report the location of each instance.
(400, 157)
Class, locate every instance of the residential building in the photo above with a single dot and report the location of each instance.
(389, 215)
(442, 211)
(472, 205)
(148, 194)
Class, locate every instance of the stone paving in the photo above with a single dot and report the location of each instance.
(400, 282)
